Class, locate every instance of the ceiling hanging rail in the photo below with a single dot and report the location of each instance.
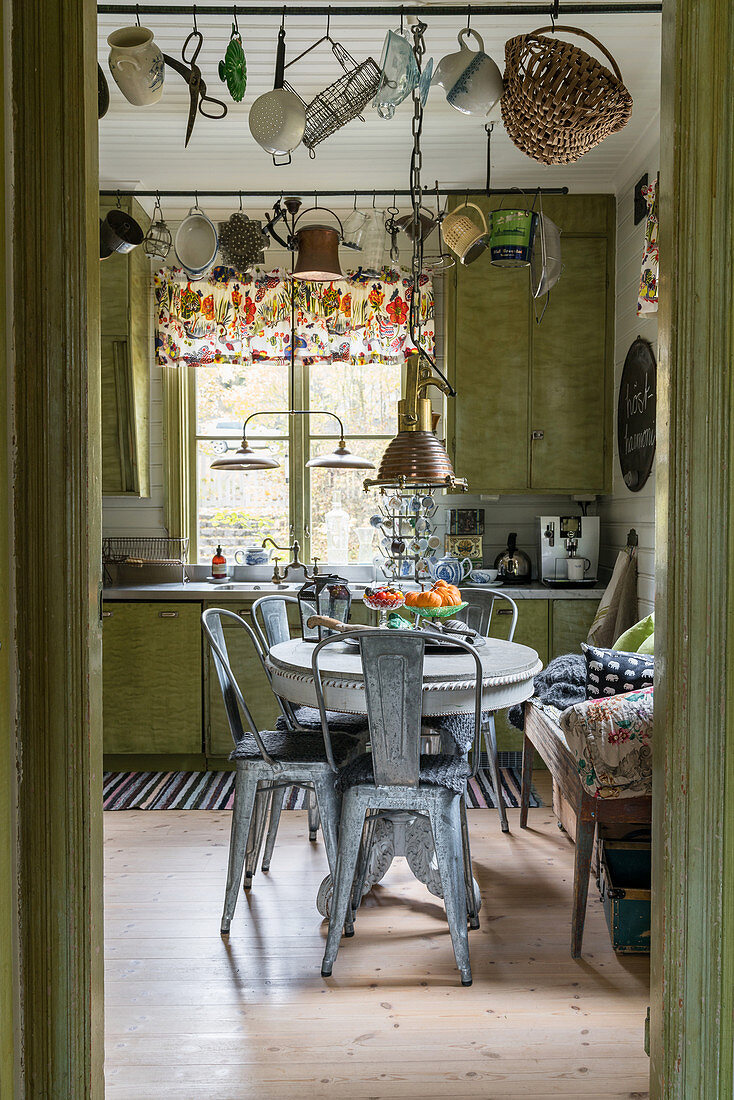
(276, 11)
(321, 193)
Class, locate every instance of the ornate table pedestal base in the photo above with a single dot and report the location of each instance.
(396, 833)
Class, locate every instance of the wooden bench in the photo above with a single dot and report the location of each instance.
(545, 735)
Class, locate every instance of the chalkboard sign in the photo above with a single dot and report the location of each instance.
(636, 415)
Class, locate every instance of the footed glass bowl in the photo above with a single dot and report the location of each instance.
(437, 612)
(383, 600)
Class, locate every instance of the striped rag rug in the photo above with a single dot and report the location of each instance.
(215, 791)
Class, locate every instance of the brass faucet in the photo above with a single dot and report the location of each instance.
(295, 562)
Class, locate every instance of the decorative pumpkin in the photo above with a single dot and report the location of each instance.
(452, 588)
(428, 599)
(451, 599)
(410, 598)
(439, 584)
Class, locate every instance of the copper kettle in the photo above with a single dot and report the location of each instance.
(513, 565)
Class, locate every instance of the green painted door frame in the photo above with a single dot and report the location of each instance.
(53, 731)
(51, 735)
(693, 868)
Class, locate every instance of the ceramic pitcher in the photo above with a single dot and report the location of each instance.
(137, 65)
(450, 569)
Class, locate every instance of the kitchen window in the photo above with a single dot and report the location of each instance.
(237, 508)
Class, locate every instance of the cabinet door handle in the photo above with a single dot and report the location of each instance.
(168, 614)
(106, 614)
(538, 435)
(504, 610)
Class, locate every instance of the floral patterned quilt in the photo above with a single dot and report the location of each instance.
(611, 740)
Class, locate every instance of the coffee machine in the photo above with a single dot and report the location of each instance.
(569, 551)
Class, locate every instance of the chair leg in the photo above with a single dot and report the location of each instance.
(490, 744)
(365, 850)
(585, 830)
(471, 905)
(527, 779)
(245, 791)
(313, 815)
(257, 832)
(445, 816)
(350, 835)
(327, 805)
(276, 806)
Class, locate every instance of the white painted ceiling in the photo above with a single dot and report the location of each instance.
(143, 147)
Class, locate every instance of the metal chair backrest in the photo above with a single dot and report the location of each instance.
(270, 616)
(478, 615)
(392, 665)
(234, 702)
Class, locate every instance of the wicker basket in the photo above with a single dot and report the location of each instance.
(558, 101)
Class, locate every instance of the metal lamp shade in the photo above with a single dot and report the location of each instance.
(326, 595)
(340, 459)
(318, 254)
(415, 458)
(246, 459)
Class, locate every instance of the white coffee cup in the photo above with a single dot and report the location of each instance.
(576, 568)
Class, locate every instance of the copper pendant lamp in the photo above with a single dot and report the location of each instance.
(415, 457)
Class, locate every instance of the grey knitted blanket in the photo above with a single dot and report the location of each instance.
(561, 684)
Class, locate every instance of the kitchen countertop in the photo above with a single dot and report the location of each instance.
(201, 591)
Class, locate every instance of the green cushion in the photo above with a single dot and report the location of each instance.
(648, 646)
(632, 639)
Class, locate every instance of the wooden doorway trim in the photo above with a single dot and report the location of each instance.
(56, 500)
(693, 866)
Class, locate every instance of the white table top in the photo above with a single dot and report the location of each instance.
(448, 678)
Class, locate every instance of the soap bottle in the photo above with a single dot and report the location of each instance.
(219, 565)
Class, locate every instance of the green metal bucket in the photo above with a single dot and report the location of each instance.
(511, 243)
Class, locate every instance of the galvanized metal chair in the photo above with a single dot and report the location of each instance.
(270, 618)
(478, 615)
(394, 776)
(267, 761)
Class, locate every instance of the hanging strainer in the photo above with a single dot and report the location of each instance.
(241, 241)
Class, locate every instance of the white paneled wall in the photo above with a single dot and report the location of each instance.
(623, 509)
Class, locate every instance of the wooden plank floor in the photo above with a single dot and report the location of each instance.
(191, 1016)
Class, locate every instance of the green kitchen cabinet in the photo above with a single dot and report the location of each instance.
(533, 411)
(152, 677)
(570, 622)
(126, 355)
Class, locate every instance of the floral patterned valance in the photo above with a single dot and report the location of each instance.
(234, 318)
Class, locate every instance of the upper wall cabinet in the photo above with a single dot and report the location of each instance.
(126, 351)
(534, 405)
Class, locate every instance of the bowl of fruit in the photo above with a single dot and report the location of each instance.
(382, 600)
(439, 601)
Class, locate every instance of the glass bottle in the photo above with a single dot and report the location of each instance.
(337, 534)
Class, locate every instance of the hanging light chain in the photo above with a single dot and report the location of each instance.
(416, 163)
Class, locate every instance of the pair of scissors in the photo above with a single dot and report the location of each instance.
(190, 71)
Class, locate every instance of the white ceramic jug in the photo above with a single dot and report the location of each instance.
(136, 64)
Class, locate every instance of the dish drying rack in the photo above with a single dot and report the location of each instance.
(399, 518)
(139, 551)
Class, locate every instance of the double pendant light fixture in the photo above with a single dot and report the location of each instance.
(247, 459)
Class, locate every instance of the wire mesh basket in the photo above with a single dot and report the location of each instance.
(342, 101)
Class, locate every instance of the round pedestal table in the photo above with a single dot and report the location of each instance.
(448, 688)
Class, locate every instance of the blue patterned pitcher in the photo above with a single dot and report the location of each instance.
(450, 569)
